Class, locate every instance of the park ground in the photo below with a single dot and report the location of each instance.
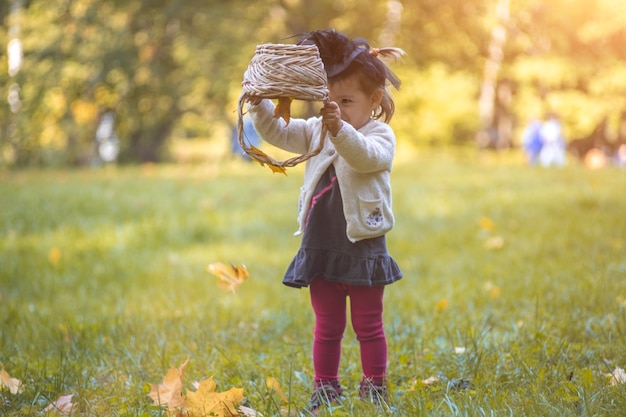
(513, 300)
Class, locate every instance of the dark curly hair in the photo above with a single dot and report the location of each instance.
(343, 57)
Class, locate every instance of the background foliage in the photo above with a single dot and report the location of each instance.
(172, 68)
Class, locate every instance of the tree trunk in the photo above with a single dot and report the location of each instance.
(492, 134)
(392, 24)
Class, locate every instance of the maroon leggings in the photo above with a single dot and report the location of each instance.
(366, 307)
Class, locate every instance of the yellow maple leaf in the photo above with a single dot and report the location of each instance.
(486, 223)
(170, 392)
(13, 384)
(441, 305)
(54, 256)
(283, 109)
(230, 276)
(276, 168)
(272, 383)
(257, 154)
(206, 401)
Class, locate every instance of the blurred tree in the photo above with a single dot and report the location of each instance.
(158, 64)
(174, 67)
(568, 57)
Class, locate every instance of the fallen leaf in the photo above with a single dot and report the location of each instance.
(430, 380)
(272, 383)
(441, 305)
(54, 256)
(486, 223)
(494, 243)
(170, 392)
(249, 412)
(230, 277)
(63, 405)
(283, 109)
(618, 376)
(206, 401)
(203, 402)
(493, 290)
(13, 384)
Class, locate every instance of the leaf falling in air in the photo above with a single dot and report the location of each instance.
(272, 383)
(13, 384)
(170, 392)
(283, 109)
(230, 276)
(62, 405)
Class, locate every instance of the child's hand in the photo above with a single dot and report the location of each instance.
(331, 117)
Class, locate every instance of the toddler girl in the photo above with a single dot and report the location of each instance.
(344, 209)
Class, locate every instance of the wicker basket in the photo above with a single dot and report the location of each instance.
(283, 71)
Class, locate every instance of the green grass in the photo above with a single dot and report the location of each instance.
(542, 318)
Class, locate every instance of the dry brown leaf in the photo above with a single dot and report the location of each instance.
(62, 405)
(249, 412)
(618, 376)
(430, 380)
(13, 384)
(170, 392)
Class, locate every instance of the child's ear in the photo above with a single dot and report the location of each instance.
(376, 98)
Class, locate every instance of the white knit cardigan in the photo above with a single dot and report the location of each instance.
(362, 159)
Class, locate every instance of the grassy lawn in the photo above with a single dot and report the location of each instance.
(514, 288)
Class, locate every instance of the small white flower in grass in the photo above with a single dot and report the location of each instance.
(459, 350)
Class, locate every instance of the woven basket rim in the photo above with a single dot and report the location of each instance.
(275, 80)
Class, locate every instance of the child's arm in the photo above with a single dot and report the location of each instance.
(295, 137)
(369, 150)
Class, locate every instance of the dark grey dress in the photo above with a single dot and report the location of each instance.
(326, 252)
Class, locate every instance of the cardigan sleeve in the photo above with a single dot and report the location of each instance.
(369, 150)
(294, 137)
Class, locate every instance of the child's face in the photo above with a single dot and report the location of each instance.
(356, 106)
